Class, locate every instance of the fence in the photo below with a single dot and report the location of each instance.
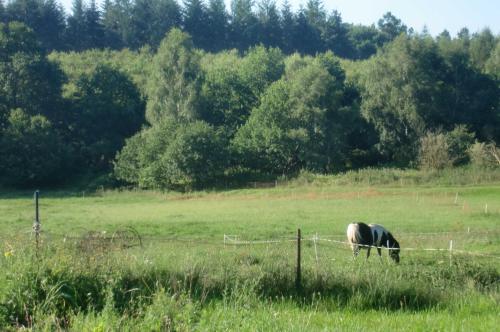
(234, 240)
(129, 237)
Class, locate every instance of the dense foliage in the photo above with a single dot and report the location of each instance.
(266, 93)
(213, 27)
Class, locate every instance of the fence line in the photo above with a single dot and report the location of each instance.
(404, 235)
(233, 240)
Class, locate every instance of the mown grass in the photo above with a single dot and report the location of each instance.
(185, 278)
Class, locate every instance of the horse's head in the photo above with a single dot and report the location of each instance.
(394, 251)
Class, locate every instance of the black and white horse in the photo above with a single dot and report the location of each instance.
(361, 235)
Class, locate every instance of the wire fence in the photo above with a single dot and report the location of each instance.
(248, 248)
(315, 239)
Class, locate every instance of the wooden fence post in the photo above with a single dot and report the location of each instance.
(298, 281)
(451, 251)
(36, 224)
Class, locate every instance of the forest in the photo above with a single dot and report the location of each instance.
(167, 95)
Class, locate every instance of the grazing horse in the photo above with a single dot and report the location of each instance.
(361, 235)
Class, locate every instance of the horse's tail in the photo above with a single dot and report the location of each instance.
(353, 234)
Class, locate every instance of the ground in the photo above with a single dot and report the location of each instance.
(163, 259)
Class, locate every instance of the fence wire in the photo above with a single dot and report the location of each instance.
(234, 240)
(129, 237)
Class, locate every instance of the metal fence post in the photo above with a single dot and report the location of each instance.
(36, 223)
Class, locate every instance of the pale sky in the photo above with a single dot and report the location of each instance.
(437, 15)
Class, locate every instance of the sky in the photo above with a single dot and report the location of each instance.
(436, 15)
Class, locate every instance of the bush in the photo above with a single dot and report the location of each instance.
(31, 151)
(484, 155)
(434, 152)
(173, 156)
(459, 140)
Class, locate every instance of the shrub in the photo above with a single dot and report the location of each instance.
(434, 152)
(484, 155)
(173, 156)
(459, 140)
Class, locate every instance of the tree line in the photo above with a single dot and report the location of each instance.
(213, 27)
(177, 116)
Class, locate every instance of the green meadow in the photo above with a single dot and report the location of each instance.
(112, 260)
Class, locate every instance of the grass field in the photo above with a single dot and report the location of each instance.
(90, 274)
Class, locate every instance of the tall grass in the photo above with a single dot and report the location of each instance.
(407, 177)
(67, 288)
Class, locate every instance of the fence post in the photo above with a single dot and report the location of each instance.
(451, 250)
(316, 248)
(298, 281)
(36, 223)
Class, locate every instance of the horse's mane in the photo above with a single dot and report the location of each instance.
(395, 243)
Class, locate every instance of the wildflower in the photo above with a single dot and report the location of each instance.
(9, 251)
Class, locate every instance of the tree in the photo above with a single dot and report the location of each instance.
(492, 66)
(481, 46)
(364, 40)
(244, 25)
(390, 26)
(174, 87)
(404, 94)
(142, 24)
(93, 27)
(27, 80)
(269, 24)
(464, 37)
(316, 20)
(45, 17)
(287, 27)
(306, 37)
(335, 35)
(31, 151)
(217, 20)
(295, 125)
(108, 108)
(260, 67)
(472, 96)
(167, 16)
(116, 20)
(232, 85)
(315, 13)
(172, 156)
(227, 99)
(151, 20)
(195, 22)
(2, 12)
(76, 34)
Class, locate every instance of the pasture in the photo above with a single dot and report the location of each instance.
(142, 260)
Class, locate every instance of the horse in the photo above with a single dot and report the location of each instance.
(361, 235)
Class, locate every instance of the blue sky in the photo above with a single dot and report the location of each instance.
(437, 15)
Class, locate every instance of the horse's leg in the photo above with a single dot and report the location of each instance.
(355, 251)
(368, 252)
(379, 251)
